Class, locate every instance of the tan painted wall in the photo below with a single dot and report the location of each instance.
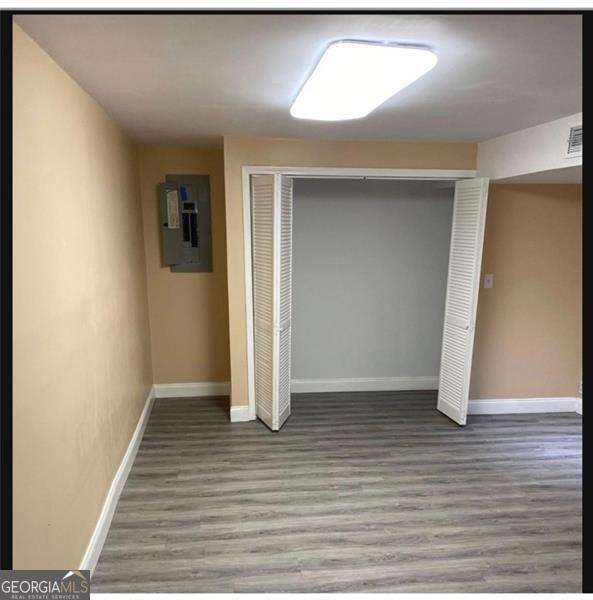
(188, 311)
(82, 366)
(305, 152)
(529, 325)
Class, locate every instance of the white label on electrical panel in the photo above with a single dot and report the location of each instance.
(172, 209)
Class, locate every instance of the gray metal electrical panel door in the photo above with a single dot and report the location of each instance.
(185, 223)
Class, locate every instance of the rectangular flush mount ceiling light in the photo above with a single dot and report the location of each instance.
(354, 77)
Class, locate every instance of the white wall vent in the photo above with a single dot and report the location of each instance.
(575, 142)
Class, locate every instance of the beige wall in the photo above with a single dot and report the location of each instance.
(528, 330)
(291, 152)
(82, 367)
(188, 311)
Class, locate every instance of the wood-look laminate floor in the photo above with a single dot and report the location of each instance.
(358, 492)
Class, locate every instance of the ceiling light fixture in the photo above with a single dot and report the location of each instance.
(354, 77)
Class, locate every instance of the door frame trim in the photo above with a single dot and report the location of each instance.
(311, 173)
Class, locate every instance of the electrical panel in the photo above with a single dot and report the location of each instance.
(185, 223)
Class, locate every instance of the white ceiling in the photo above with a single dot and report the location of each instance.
(194, 78)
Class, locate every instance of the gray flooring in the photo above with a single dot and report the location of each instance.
(358, 492)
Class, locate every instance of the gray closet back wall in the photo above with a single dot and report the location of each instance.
(370, 271)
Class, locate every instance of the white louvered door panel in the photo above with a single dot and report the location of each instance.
(262, 226)
(271, 214)
(285, 298)
(465, 257)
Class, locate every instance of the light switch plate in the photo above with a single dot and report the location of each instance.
(489, 280)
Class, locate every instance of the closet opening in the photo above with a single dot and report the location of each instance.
(364, 283)
(369, 278)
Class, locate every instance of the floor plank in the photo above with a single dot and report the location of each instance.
(358, 492)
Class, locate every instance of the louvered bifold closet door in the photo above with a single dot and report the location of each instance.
(465, 257)
(271, 211)
(285, 298)
(262, 226)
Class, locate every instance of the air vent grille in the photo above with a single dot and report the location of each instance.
(575, 140)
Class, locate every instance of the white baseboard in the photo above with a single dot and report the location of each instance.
(364, 384)
(191, 390)
(522, 405)
(579, 406)
(93, 551)
(239, 414)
